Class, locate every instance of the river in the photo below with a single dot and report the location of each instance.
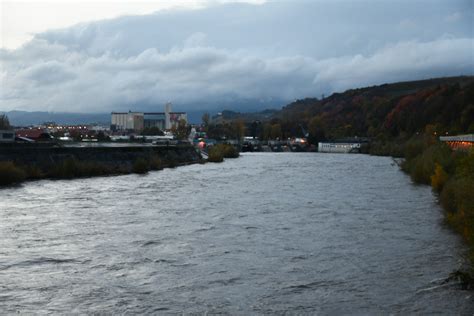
(266, 233)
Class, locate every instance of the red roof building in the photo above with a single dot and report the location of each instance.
(33, 133)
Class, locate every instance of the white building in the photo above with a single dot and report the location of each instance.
(137, 121)
(339, 147)
(7, 136)
(173, 118)
(131, 121)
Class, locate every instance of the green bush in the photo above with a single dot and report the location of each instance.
(458, 200)
(218, 152)
(383, 148)
(155, 163)
(215, 154)
(422, 166)
(413, 148)
(464, 164)
(32, 172)
(447, 196)
(10, 174)
(65, 169)
(140, 166)
(451, 174)
(72, 168)
(439, 178)
(228, 150)
(92, 169)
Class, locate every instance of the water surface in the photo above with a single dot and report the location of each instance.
(265, 233)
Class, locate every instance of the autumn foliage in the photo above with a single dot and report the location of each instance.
(384, 113)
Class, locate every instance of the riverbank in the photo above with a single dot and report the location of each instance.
(451, 176)
(25, 162)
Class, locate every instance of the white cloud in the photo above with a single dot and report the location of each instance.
(50, 72)
(237, 52)
(453, 17)
(402, 61)
(407, 24)
(78, 82)
(21, 20)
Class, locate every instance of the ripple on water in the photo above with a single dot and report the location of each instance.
(265, 233)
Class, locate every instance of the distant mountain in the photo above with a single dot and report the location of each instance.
(194, 111)
(24, 118)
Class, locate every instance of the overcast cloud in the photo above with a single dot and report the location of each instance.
(274, 51)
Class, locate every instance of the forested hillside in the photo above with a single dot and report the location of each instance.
(445, 105)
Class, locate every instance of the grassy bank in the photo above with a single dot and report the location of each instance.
(451, 175)
(11, 173)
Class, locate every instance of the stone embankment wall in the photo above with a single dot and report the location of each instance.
(47, 156)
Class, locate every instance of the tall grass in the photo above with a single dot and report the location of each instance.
(10, 174)
(73, 168)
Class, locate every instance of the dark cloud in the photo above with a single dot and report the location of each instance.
(49, 72)
(274, 51)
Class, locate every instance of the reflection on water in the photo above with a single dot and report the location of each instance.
(265, 233)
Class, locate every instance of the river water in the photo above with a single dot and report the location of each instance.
(266, 233)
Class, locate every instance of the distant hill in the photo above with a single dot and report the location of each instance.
(388, 110)
(194, 111)
(24, 118)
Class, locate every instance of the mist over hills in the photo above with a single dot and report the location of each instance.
(252, 109)
(27, 118)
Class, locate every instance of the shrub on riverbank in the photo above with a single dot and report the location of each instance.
(32, 172)
(421, 166)
(457, 196)
(72, 168)
(386, 148)
(228, 150)
(140, 166)
(215, 154)
(451, 175)
(10, 174)
(155, 163)
(218, 152)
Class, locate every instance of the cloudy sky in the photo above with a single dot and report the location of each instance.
(99, 56)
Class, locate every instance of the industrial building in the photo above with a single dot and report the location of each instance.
(131, 121)
(157, 120)
(137, 121)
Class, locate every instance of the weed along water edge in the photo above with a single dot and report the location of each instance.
(32, 162)
(266, 233)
